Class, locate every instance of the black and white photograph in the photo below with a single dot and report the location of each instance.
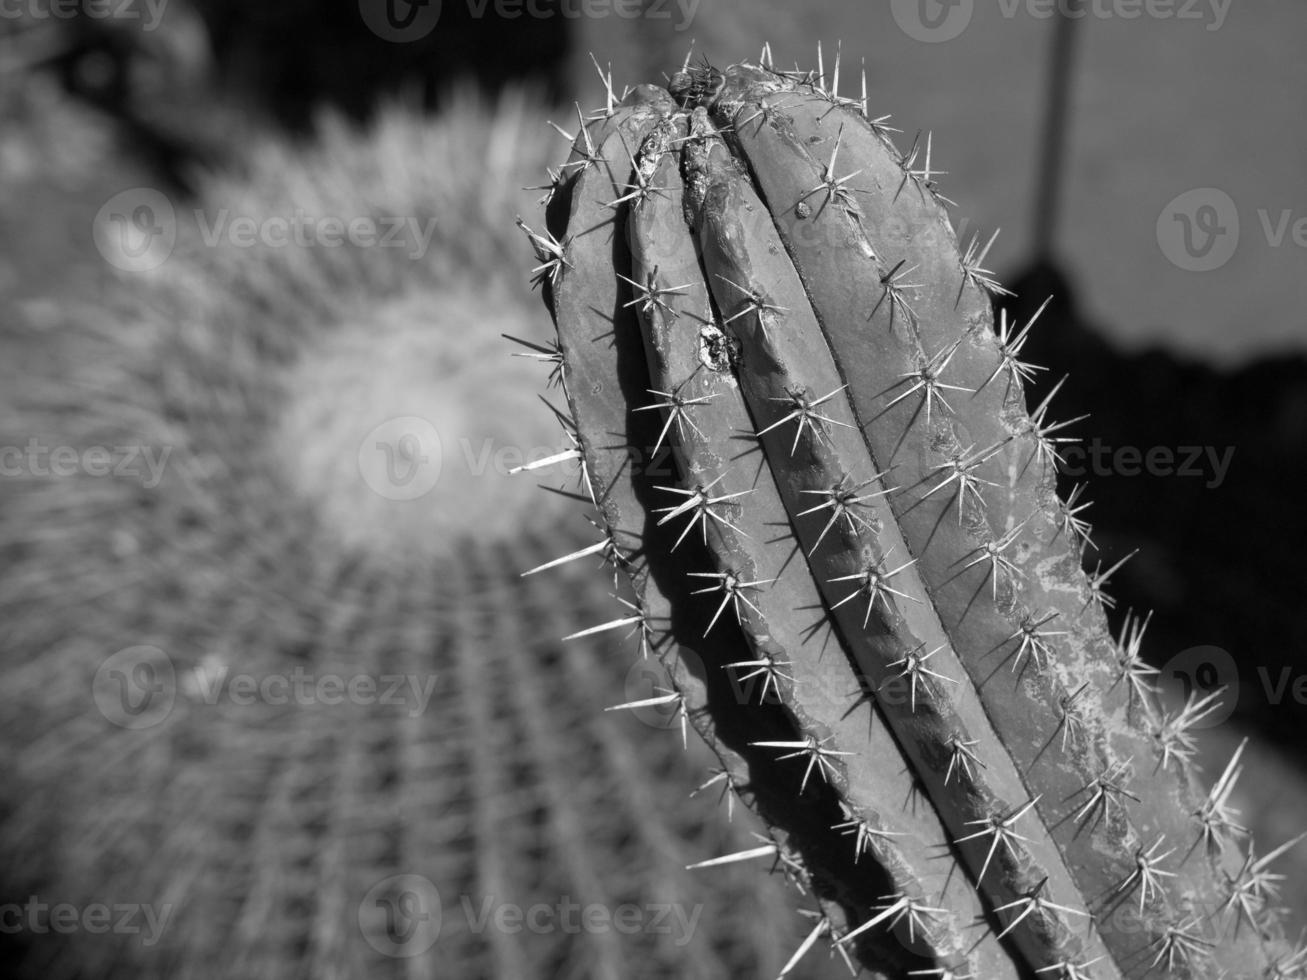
(653, 489)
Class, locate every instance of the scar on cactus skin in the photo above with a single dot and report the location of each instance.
(850, 495)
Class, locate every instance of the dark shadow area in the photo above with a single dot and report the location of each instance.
(1219, 544)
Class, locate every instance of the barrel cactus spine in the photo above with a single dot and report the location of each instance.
(811, 457)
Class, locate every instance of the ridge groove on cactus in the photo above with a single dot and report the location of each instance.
(810, 453)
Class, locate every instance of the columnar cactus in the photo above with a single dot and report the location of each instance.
(811, 458)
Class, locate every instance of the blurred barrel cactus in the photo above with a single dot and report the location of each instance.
(811, 457)
(248, 830)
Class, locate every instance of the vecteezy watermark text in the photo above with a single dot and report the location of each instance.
(137, 687)
(97, 918)
(136, 230)
(143, 463)
(936, 21)
(402, 916)
(1200, 230)
(1099, 459)
(148, 12)
(406, 21)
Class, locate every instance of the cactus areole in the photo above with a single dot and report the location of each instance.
(812, 462)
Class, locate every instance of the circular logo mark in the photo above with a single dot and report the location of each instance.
(1199, 230)
(648, 688)
(401, 459)
(135, 230)
(136, 687)
(400, 21)
(400, 916)
(1199, 672)
(932, 21)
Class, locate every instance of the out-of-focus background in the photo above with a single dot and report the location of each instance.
(263, 400)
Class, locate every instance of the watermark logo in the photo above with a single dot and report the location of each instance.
(304, 230)
(650, 693)
(96, 918)
(1208, 463)
(401, 916)
(1198, 231)
(144, 464)
(933, 21)
(400, 21)
(1202, 672)
(136, 230)
(148, 13)
(401, 459)
(136, 687)
(572, 918)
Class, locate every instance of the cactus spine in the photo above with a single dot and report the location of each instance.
(813, 461)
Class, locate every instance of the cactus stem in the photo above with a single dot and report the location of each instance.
(676, 406)
(926, 379)
(764, 113)
(650, 296)
(836, 191)
(1099, 580)
(961, 759)
(1147, 875)
(1034, 641)
(1134, 669)
(925, 176)
(699, 504)
(1217, 817)
(1174, 735)
(1070, 969)
(585, 149)
(768, 670)
(974, 271)
(551, 254)
(550, 354)
(1045, 442)
(1072, 524)
(1009, 349)
(819, 757)
(1105, 791)
(960, 469)
(841, 499)
(899, 908)
(865, 834)
(1072, 725)
(1001, 829)
(755, 302)
(1182, 944)
(805, 416)
(872, 582)
(894, 289)
(993, 553)
(640, 189)
(915, 669)
(1031, 903)
(732, 589)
